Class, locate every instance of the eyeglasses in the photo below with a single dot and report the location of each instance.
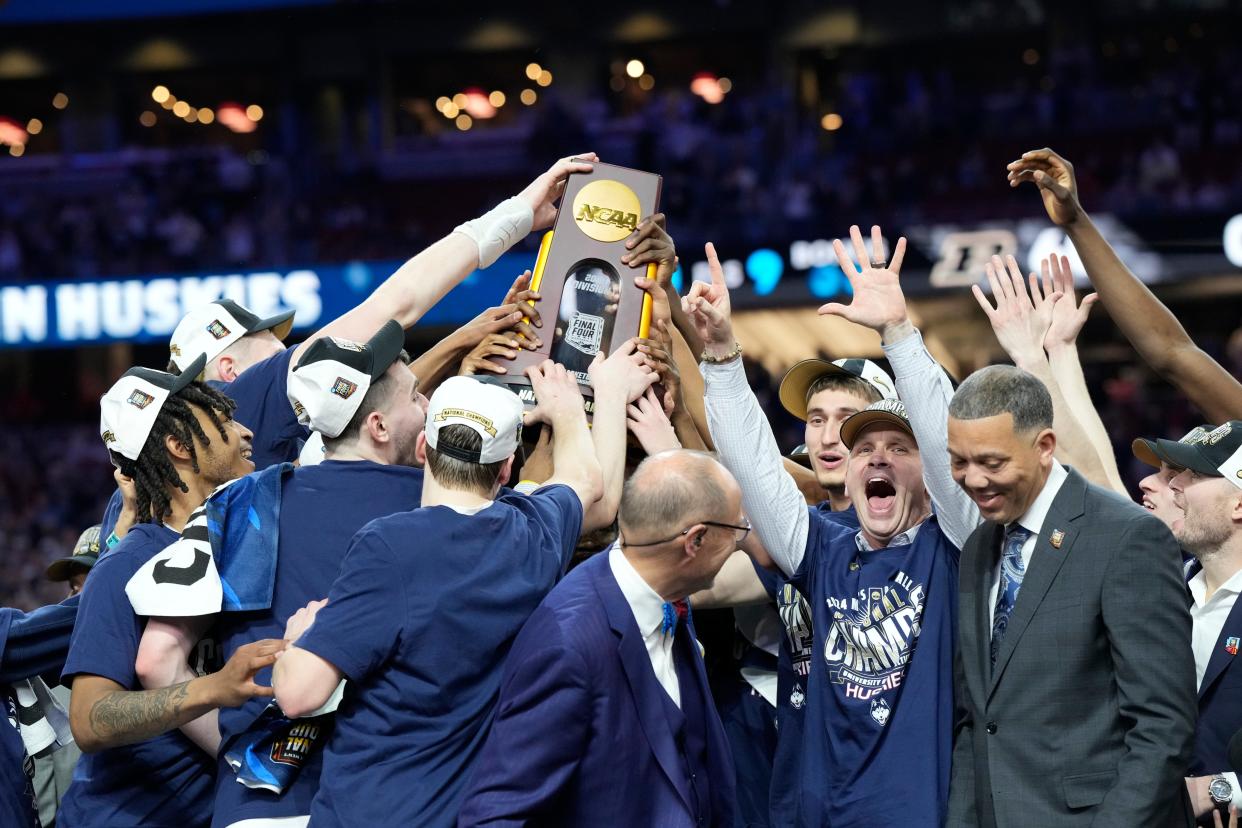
(739, 533)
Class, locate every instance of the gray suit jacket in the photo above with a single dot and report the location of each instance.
(1089, 714)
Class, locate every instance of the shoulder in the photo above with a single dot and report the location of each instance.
(571, 617)
(141, 542)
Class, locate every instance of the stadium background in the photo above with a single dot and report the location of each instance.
(292, 153)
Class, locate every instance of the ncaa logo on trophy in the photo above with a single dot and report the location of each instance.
(580, 277)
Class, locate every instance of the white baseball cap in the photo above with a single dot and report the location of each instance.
(127, 412)
(492, 411)
(328, 383)
(210, 328)
(798, 380)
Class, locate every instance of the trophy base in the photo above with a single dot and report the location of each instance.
(520, 384)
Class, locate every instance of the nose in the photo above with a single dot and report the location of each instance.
(974, 479)
(246, 434)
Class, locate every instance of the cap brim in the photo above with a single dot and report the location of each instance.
(279, 325)
(1185, 457)
(802, 459)
(385, 347)
(63, 568)
(1145, 451)
(855, 425)
(799, 379)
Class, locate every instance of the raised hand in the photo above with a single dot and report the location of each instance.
(709, 308)
(542, 193)
(649, 423)
(650, 242)
(1068, 316)
(878, 302)
(480, 359)
(556, 393)
(1054, 176)
(520, 294)
(1021, 321)
(659, 353)
(625, 370)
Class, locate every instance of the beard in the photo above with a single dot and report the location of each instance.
(1202, 538)
(406, 454)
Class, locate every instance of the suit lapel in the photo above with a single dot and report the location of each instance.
(1221, 657)
(976, 631)
(636, 664)
(1046, 561)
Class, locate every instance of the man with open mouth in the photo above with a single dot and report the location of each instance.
(883, 596)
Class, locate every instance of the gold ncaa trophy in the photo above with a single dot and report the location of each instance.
(581, 280)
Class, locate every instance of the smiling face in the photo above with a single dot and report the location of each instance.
(218, 461)
(826, 410)
(1158, 496)
(1002, 470)
(884, 479)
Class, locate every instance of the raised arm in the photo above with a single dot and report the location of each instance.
(1061, 344)
(618, 380)
(1021, 323)
(559, 404)
(922, 384)
(1150, 326)
(423, 280)
(739, 428)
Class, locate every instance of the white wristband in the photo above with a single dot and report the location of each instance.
(498, 229)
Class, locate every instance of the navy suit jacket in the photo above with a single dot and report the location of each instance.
(581, 734)
(1220, 701)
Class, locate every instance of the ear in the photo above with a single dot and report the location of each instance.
(420, 448)
(506, 471)
(1235, 513)
(377, 428)
(227, 368)
(176, 449)
(692, 544)
(1046, 442)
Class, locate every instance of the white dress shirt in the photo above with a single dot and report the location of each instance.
(1032, 521)
(648, 609)
(1207, 620)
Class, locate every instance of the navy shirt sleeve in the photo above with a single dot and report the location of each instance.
(37, 642)
(361, 625)
(555, 512)
(106, 633)
(262, 396)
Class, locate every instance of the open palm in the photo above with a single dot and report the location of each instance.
(878, 301)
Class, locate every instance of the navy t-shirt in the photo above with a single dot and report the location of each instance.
(321, 508)
(420, 620)
(262, 396)
(793, 672)
(165, 781)
(878, 727)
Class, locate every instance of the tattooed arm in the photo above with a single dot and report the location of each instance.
(103, 714)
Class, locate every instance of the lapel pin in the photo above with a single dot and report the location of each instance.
(1231, 646)
(1057, 537)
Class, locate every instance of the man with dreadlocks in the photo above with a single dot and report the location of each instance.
(176, 438)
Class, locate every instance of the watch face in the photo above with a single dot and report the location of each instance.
(1220, 790)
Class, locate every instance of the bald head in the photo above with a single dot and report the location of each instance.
(672, 489)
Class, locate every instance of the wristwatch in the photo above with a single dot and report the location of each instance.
(1220, 790)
